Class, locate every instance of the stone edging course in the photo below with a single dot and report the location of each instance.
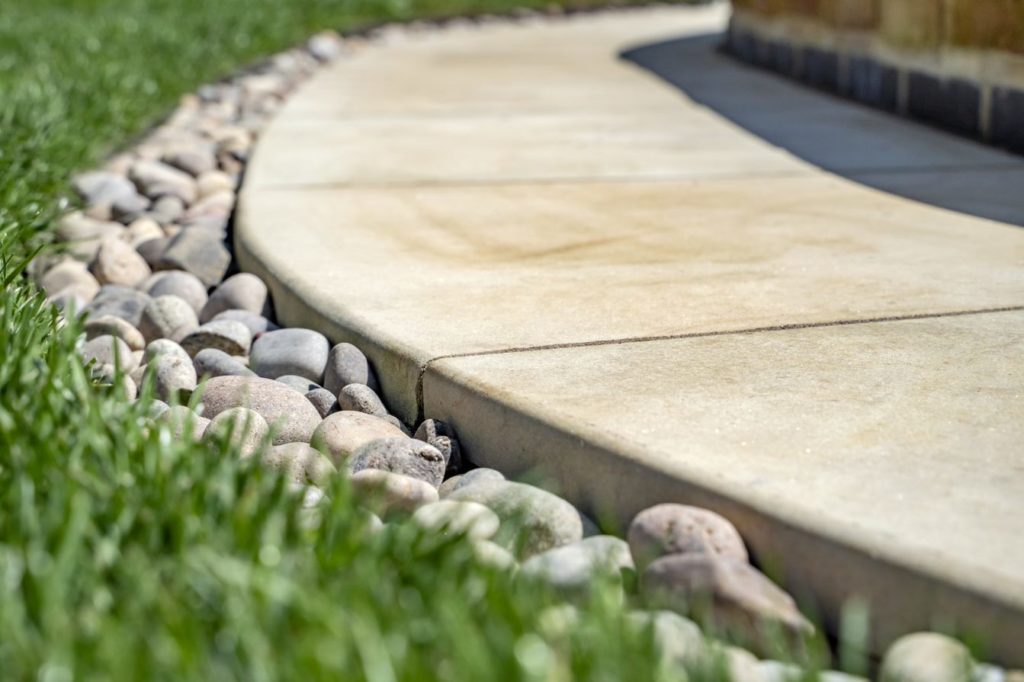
(149, 262)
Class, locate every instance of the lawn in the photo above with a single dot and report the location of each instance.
(125, 555)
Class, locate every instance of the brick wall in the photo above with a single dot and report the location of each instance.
(955, 63)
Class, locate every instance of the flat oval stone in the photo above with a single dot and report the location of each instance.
(290, 351)
(400, 455)
(106, 350)
(184, 285)
(300, 384)
(198, 251)
(737, 594)
(101, 187)
(116, 262)
(141, 231)
(242, 427)
(243, 291)
(361, 398)
(926, 657)
(533, 520)
(257, 324)
(458, 518)
(108, 325)
(211, 362)
(680, 529)
(226, 335)
(386, 492)
(66, 273)
(285, 410)
(346, 365)
(342, 433)
(119, 301)
(162, 347)
(302, 462)
(174, 377)
(471, 477)
(155, 179)
(168, 317)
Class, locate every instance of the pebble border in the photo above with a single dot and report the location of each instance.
(148, 259)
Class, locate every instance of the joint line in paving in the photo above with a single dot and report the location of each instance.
(696, 335)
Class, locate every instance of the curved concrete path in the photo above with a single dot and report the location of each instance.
(637, 276)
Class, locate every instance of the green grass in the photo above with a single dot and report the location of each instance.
(127, 555)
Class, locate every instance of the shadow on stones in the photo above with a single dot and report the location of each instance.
(832, 133)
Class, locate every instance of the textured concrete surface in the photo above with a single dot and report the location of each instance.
(638, 277)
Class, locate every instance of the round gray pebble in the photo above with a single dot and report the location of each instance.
(290, 351)
(401, 455)
(211, 362)
(256, 323)
(184, 285)
(243, 291)
(345, 365)
(323, 400)
(168, 317)
(361, 398)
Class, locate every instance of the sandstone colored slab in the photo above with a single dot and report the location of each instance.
(409, 274)
(882, 459)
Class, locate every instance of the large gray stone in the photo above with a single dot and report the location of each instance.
(212, 362)
(361, 398)
(101, 187)
(114, 326)
(323, 400)
(116, 262)
(119, 301)
(184, 285)
(197, 251)
(533, 520)
(174, 377)
(155, 180)
(471, 477)
(346, 364)
(107, 350)
(286, 411)
(400, 455)
(243, 291)
(302, 352)
(168, 317)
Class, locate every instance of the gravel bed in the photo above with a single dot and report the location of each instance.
(148, 260)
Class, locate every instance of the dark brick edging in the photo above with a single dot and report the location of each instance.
(954, 104)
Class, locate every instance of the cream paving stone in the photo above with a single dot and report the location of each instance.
(453, 270)
(900, 441)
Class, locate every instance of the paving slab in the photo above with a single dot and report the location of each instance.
(600, 247)
(876, 459)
